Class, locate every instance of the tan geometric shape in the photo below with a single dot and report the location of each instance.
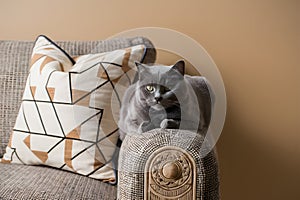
(5, 161)
(33, 89)
(43, 156)
(61, 67)
(50, 48)
(101, 73)
(35, 58)
(10, 139)
(77, 94)
(75, 133)
(68, 153)
(51, 92)
(116, 79)
(97, 162)
(125, 60)
(27, 141)
(84, 102)
(45, 62)
(75, 58)
(108, 180)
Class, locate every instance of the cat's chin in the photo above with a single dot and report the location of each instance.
(157, 107)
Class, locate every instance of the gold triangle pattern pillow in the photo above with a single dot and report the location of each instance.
(66, 119)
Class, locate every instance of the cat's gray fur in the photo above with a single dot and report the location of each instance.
(176, 101)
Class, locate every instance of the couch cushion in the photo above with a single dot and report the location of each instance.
(68, 111)
(35, 182)
(14, 60)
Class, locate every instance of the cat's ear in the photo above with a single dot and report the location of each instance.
(141, 70)
(179, 66)
(140, 66)
(137, 63)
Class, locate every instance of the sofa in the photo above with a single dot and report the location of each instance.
(160, 164)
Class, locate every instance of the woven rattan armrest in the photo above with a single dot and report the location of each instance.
(166, 164)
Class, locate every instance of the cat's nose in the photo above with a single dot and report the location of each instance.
(158, 99)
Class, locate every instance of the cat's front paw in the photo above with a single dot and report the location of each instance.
(169, 123)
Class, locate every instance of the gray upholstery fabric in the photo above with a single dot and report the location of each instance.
(14, 66)
(37, 182)
(136, 149)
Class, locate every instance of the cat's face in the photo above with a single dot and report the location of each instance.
(158, 85)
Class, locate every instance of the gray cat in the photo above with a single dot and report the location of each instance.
(163, 97)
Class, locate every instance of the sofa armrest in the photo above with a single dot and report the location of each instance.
(166, 163)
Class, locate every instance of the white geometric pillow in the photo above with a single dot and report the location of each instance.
(66, 119)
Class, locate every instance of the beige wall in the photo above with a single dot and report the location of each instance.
(255, 43)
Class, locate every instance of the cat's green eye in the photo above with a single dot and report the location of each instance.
(150, 88)
(165, 89)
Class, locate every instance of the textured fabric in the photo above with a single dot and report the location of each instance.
(14, 61)
(66, 120)
(137, 148)
(20, 182)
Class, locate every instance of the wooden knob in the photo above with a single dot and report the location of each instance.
(171, 170)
